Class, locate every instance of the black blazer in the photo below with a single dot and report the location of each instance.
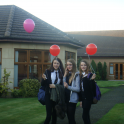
(47, 82)
(89, 88)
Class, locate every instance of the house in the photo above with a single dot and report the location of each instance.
(110, 49)
(26, 55)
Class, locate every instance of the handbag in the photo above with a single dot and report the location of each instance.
(41, 95)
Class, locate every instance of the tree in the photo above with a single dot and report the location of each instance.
(78, 62)
(93, 66)
(99, 69)
(104, 71)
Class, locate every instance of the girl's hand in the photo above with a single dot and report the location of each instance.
(66, 72)
(65, 85)
(52, 86)
(44, 76)
(80, 104)
(93, 77)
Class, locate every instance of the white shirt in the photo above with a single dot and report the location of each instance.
(53, 76)
(84, 75)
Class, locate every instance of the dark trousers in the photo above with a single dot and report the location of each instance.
(50, 111)
(86, 105)
(71, 107)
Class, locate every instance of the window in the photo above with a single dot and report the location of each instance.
(111, 68)
(69, 55)
(30, 64)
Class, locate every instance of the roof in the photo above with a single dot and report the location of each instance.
(11, 29)
(107, 46)
(113, 33)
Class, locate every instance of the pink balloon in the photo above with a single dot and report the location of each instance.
(29, 25)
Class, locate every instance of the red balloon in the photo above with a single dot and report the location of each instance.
(54, 50)
(91, 49)
(29, 25)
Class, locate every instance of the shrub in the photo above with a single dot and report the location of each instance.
(15, 93)
(29, 87)
(4, 84)
(78, 62)
(93, 66)
(98, 77)
(104, 71)
(99, 69)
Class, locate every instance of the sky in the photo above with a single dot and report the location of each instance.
(76, 15)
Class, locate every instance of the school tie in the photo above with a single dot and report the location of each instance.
(56, 79)
(81, 82)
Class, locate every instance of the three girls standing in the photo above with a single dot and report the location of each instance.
(73, 82)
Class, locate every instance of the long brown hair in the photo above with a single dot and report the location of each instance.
(88, 67)
(60, 69)
(73, 69)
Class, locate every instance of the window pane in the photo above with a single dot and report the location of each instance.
(20, 56)
(35, 56)
(111, 64)
(45, 67)
(35, 72)
(22, 72)
(68, 57)
(71, 55)
(0, 56)
(66, 53)
(0, 71)
(111, 69)
(116, 71)
(47, 57)
(121, 71)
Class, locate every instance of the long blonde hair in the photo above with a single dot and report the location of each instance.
(88, 67)
(73, 69)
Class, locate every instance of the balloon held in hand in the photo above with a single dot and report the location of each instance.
(91, 49)
(54, 50)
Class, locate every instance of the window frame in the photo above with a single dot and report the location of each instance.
(27, 63)
(70, 54)
(111, 66)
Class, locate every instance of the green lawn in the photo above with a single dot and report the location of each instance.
(104, 90)
(21, 111)
(109, 83)
(114, 116)
(30, 111)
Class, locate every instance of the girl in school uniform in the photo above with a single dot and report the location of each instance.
(72, 86)
(88, 90)
(52, 76)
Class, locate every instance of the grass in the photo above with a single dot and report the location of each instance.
(21, 111)
(104, 90)
(30, 111)
(109, 83)
(114, 116)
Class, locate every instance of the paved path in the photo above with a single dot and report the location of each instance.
(108, 100)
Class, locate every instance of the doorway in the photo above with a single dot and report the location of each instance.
(118, 71)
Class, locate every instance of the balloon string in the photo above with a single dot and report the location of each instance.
(91, 65)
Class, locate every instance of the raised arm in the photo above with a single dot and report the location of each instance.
(44, 79)
(77, 83)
